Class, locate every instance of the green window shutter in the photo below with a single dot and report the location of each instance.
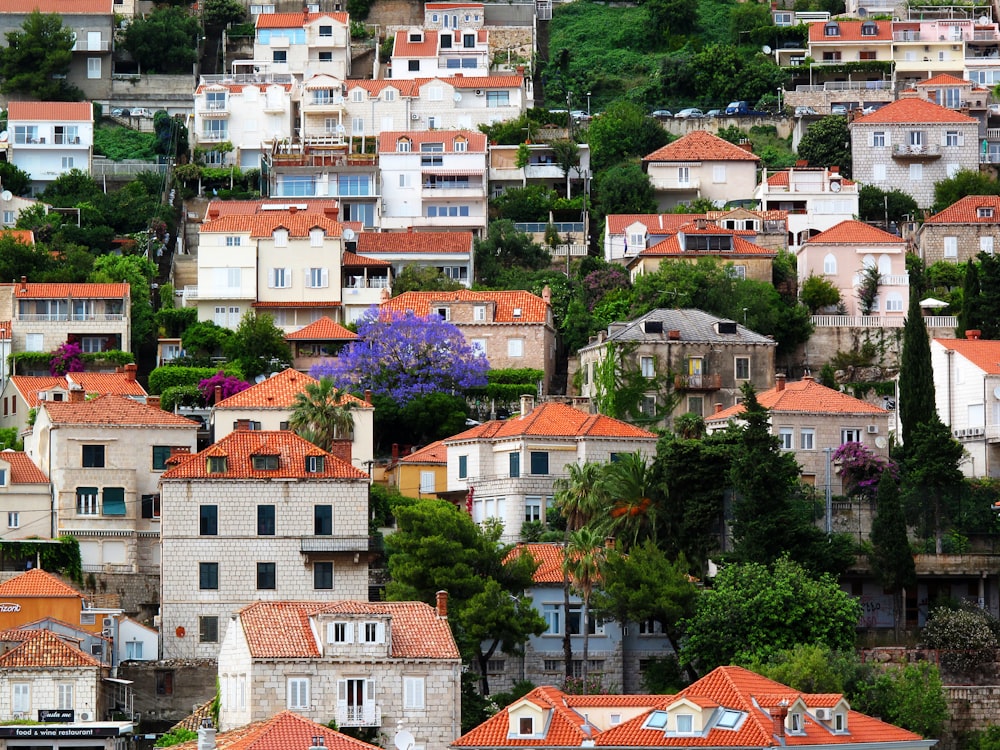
(114, 501)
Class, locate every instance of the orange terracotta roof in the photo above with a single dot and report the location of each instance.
(850, 31)
(804, 397)
(93, 383)
(62, 111)
(549, 557)
(323, 329)
(482, 82)
(77, 291)
(295, 20)
(353, 260)
(217, 208)
(5, 330)
(654, 223)
(533, 308)
(278, 392)
(282, 629)
(297, 223)
(913, 111)
(854, 233)
(672, 246)
(983, 353)
(377, 86)
(453, 6)
(282, 731)
(554, 420)
(37, 583)
(24, 236)
(966, 211)
(943, 79)
(45, 649)
(431, 243)
(768, 215)
(476, 142)
(22, 468)
(780, 179)
(700, 145)
(435, 453)
(304, 304)
(62, 7)
(403, 47)
(240, 446)
(112, 410)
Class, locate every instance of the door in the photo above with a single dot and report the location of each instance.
(695, 365)
(356, 701)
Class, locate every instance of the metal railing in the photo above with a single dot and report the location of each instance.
(367, 715)
(539, 227)
(71, 317)
(879, 321)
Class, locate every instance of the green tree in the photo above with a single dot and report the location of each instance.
(867, 293)
(505, 248)
(567, 155)
(891, 558)
(966, 638)
(932, 477)
(670, 17)
(623, 189)
(13, 179)
(970, 317)
(986, 310)
(72, 189)
(218, 14)
(911, 697)
(418, 278)
(524, 204)
(321, 414)
(621, 132)
(205, 339)
(754, 611)
(964, 182)
(138, 273)
(165, 41)
(723, 72)
(631, 515)
(827, 143)
(744, 19)
(818, 292)
(812, 668)
(582, 561)
(916, 378)
(37, 58)
(258, 346)
(875, 204)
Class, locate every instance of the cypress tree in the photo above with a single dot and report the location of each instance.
(970, 314)
(891, 558)
(916, 378)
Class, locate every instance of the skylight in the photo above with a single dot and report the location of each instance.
(656, 720)
(729, 719)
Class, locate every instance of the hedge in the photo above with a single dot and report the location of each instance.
(168, 377)
(180, 395)
(17, 363)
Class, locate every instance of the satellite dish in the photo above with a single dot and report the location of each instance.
(350, 234)
(4, 136)
(996, 393)
(6, 195)
(862, 12)
(404, 740)
(983, 20)
(260, 378)
(881, 442)
(457, 96)
(766, 49)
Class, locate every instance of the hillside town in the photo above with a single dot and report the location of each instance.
(409, 375)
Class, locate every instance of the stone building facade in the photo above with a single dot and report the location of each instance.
(963, 230)
(259, 515)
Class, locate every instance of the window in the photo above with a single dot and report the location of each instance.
(86, 501)
(341, 632)
(894, 302)
(9, 217)
(916, 138)
(646, 365)
(786, 435)
(696, 405)
(878, 139)
(830, 265)
(164, 683)
(93, 67)
(133, 650)
(719, 173)
(807, 439)
(427, 482)
(515, 347)
(984, 212)
(265, 576)
(64, 695)
(986, 245)
(150, 506)
(497, 98)
(93, 456)
(916, 172)
(413, 65)
(684, 723)
(413, 693)
(208, 520)
(13, 519)
(878, 172)
(479, 313)
(552, 614)
(323, 520)
(532, 509)
(216, 464)
(461, 146)
(540, 462)
(657, 720)
(264, 463)
(208, 576)
(280, 278)
(737, 271)
(951, 247)
(743, 368)
(526, 725)
(850, 435)
(21, 697)
(495, 666)
(67, 162)
(323, 576)
(839, 724)
(279, 56)
(648, 405)
(683, 176)
(265, 520)
(326, 31)
(515, 465)
(443, 312)
(298, 692)
(796, 719)
(114, 501)
(373, 632)
(233, 241)
(208, 629)
(729, 719)
(315, 464)
(463, 467)
(160, 455)
(952, 138)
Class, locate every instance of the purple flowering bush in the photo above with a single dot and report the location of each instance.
(66, 358)
(230, 385)
(861, 468)
(403, 356)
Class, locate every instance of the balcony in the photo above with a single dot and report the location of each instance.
(71, 317)
(675, 184)
(318, 102)
(324, 545)
(213, 109)
(193, 293)
(85, 45)
(906, 152)
(445, 190)
(213, 136)
(368, 715)
(879, 321)
(703, 382)
(900, 279)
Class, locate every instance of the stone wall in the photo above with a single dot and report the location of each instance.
(826, 341)
(138, 595)
(167, 691)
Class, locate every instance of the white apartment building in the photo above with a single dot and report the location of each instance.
(49, 139)
(303, 44)
(815, 199)
(425, 53)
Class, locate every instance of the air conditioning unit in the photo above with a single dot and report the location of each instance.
(86, 716)
(978, 431)
(414, 116)
(873, 429)
(106, 632)
(958, 433)
(479, 92)
(824, 714)
(20, 714)
(109, 622)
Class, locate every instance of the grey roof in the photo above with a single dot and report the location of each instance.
(694, 326)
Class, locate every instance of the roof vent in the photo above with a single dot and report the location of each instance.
(652, 326)
(727, 326)
(674, 335)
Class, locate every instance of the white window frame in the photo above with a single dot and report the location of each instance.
(830, 265)
(950, 247)
(93, 67)
(515, 347)
(281, 278)
(807, 439)
(986, 244)
(13, 519)
(787, 437)
(20, 697)
(413, 693)
(297, 693)
(648, 367)
(64, 696)
(317, 278)
(427, 482)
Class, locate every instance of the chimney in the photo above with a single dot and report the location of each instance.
(409, 230)
(834, 170)
(293, 209)
(342, 449)
(218, 394)
(527, 404)
(609, 542)
(746, 145)
(701, 223)
(368, 396)
(206, 735)
(24, 283)
(778, 714)
(674, 335)
(153, 401)
(520, 70)
(213, 211)
(305, 14)
(718, 407)
(547, 295)
(331, 212)
(779, 382)
(130, 370)
(973, 334)
(395, 452)
(76, 394)
(442, 603)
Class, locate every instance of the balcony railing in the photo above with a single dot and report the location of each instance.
(368, 715)
(703, 382)
(908, 151)
(887, 279)
(325, 544)
(879, 321)
(71, 317)
(84, 45)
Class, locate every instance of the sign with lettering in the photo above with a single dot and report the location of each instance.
(40, 732)
(876, 611)
(57, 715)
(9, 607)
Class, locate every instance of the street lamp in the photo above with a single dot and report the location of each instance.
(588, 104)
(569, 113)
(779, 101)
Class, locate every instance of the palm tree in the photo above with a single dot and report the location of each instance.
(582, 562)
(321, 414)
(631, 514)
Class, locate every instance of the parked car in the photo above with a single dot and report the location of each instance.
(741, 109)
(714, 113)
(838, 109)
(579, 116)
(141, 112)
(870, 108)
(662, 113)
(691, 113)
(995, 109)
(119, 112)
(805, 111)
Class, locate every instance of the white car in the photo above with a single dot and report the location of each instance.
(691, 113)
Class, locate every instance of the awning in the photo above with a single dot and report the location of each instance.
(933, 303)
(453, 172)
(117, 681)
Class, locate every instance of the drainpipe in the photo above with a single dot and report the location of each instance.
(950, 354)
(53, 512)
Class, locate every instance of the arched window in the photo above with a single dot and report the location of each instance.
(830, 265)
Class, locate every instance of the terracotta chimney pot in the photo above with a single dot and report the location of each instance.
(442, 603)
(779, 382)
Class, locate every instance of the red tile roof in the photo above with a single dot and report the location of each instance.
(62, 111)
(982, 353)
(768, 215)
(780, 179)
(741, 247)
(37, 583)
(434, 243)
(804, 397)
(965, 211)
(554, 420)
(323, 329)
(435, 453)
(476, 141)
(913, 111)
(295, 20)
(45, 649)
(700, 145)
(112, 410)
(850, 31)
(943, 79)
(24, 236)
(217, 208)
(93, 383)
(403, 47)
(854, 233)
(297, 223)
(284, 731)
(5, 330)
(22, 468)
(282, 630)
(353, 260)
(240, 446)
(62, 7)
(549, 557)
(278, 392)
(654, 223)
(376, 87)
(308, 305)
(482, 82)
(77, 291)
(533, 308)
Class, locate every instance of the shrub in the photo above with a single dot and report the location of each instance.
(966, 637)
(66, 358)
(166, 377)
(180, 395)
(229, 384)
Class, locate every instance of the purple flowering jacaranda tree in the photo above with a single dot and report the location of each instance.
(402, 355)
